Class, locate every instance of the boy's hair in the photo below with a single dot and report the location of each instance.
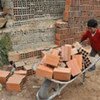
(92, 23)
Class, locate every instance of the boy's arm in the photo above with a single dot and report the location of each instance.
(84, 37)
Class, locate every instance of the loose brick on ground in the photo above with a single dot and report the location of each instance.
(4, 75)
(15, 82)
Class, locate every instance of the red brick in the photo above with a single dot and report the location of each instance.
(15, 83)
(55, 52)
(44, 71)
(59, 43)
(63, 74)
(61, 24)
(4, 75)
(66, 52)
(75, 69)
(13, 56)
(68, 2)
(65, 16)
(61, 36)
(79, 59)
(51, 60)
(62, 30)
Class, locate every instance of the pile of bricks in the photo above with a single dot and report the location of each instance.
(23, 54)
(75, 17)
(63, 63)
(13, 82)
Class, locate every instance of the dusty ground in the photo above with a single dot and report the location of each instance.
(90, 90)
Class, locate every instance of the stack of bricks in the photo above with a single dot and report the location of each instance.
(15, 82)
(62, 63)
(23, 54)
(76, 15)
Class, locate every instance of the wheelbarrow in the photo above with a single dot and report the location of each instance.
(43, 92)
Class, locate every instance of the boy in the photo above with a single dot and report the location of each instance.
(93, 34)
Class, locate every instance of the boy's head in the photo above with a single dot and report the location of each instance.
(92, 25)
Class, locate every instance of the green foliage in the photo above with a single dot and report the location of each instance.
(5, 46)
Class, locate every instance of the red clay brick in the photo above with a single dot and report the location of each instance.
(15, 83)
(55, 52)
(75, 69)
(61, 36)
(59, 43)
(4, 75)
(51, 60)
(44, 71)
(63, 74)
(79, 59)
(13, 56)
(66, 52)
(65, 16)
(61, 24)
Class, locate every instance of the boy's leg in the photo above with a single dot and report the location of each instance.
(93, 54)
(99, 53)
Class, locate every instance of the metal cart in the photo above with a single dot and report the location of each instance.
(60, 85)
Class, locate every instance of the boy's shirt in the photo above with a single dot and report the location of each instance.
(93, 38)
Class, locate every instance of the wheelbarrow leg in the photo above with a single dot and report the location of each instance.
(83, 78)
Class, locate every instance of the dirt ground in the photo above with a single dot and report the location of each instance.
(90, 90)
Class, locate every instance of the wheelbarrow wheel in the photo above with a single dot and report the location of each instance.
(43, 92)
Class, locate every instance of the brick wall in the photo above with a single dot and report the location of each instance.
(28, 9)
(76, 15)
(40, 15)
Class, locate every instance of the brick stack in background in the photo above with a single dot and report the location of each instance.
(76, 15)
